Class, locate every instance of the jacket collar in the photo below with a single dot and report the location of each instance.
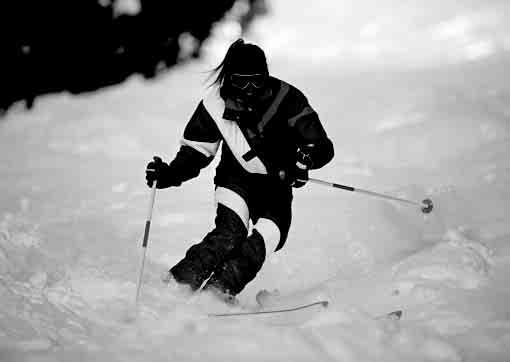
(235, 110)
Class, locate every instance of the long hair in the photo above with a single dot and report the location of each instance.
(223, 66)
(239, 57)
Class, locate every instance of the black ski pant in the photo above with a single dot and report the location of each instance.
(234, 256)
(203, 258)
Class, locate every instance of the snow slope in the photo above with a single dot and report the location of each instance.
(411, 123)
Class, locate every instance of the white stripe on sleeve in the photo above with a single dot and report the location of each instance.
(207, 148)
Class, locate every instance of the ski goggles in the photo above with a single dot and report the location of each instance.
(242, 81)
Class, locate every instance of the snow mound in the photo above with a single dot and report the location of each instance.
(457, 261)
(19, 241)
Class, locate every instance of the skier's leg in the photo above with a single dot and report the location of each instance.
(201, 259)
(246, 260)
(241, 267)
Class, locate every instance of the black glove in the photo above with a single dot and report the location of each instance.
(295, 177)
(156, 171)
(298, 176)
(304, 157)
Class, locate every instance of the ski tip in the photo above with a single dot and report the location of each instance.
(395, 314)
(324, 303)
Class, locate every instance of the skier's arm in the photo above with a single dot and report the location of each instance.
(198, 147)
(185, 166)
(315, 148)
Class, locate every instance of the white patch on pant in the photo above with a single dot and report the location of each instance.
(234, 202)
(270, 232)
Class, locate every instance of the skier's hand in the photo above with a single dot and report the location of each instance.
(155, 171)
(296, 177)
(304, 157)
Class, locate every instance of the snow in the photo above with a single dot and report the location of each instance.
(423, 113)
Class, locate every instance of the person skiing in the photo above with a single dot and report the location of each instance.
(270, 138)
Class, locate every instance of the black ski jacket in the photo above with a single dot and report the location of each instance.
(256, 144)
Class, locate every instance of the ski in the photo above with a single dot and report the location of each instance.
(264, 294)
(323, 303)
(395, 315)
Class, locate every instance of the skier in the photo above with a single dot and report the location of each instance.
(270, 137)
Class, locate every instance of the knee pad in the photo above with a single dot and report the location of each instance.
(270, 233)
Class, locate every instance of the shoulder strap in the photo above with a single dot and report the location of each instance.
(271, 111)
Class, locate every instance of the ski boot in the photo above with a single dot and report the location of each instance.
(219, 291)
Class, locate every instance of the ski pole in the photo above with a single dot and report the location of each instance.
(145, 240)
(426, 205)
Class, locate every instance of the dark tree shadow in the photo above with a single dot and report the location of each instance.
(83, 45)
